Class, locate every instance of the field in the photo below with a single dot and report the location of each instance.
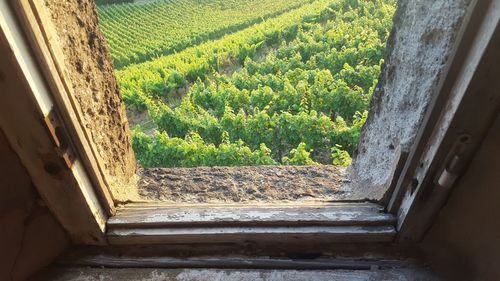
(165, 26)
(255, 82)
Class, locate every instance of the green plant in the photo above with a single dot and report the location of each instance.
(299, 156)
(340, 157)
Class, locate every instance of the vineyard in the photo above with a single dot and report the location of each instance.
(137, 33)
(286, 84)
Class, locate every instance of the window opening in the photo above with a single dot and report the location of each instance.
(271, 95)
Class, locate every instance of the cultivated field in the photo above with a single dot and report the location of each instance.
(139, 32)
(255, 82)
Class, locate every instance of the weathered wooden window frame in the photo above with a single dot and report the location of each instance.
(417, 192)
(37, 126)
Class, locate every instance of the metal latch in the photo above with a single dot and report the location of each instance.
(61, 138)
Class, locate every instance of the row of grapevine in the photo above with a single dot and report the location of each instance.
(109, 2)
(162, 76)
(137, 33)
(299, 96)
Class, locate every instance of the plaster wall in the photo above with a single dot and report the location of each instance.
(90, 73)
(418, 48)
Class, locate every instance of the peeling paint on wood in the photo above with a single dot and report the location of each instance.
(258, 234)
(338, 222)
(225, 262)
(97, 274)
(338, 214)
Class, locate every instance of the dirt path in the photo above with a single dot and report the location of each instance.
(262, 184)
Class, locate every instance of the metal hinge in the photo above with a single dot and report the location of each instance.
(455, 162)
(64, 146)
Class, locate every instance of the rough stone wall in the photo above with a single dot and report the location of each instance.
(420, 44)
(30, 237)
(88, 65)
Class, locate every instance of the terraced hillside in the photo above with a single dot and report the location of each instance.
(139, 32)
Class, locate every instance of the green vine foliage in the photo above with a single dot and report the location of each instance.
(299, 156)
(340, 157)
(192, 151)
(293, 89)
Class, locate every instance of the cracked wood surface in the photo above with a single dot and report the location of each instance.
(333, 222)
(322, 214)
(138, 274)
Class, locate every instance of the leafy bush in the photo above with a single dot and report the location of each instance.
(340, 157)
(299, 156)
(163, 151)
